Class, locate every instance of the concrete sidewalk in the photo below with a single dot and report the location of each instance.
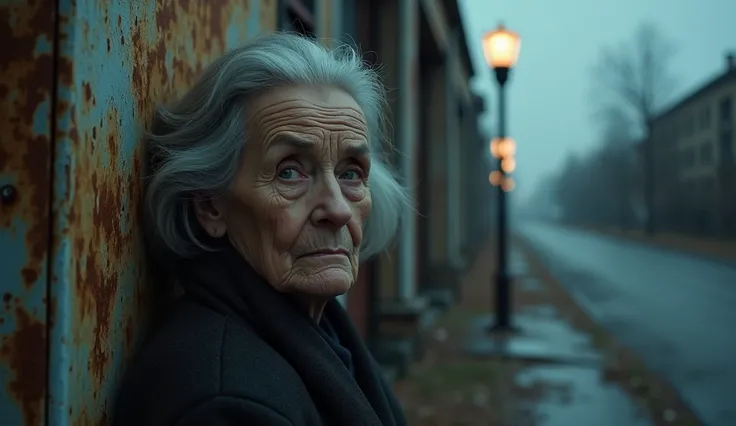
(548, 373)
(557, 357)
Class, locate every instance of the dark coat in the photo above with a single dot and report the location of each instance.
(234, 351)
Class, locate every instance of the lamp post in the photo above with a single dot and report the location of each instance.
(501, 49)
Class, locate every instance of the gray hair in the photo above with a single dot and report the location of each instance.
(195, 145)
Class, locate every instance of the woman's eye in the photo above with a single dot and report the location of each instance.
(289, 173)
(351, 175)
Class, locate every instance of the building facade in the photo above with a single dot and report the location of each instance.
(424, 55)
(78, 82)
(695, 160)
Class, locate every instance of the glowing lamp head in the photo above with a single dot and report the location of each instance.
(501, 47)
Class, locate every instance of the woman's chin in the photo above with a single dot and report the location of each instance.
(328, 282)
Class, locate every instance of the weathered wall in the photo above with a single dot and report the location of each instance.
(73, 103)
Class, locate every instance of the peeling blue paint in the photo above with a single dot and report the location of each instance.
(43, 45)
(41, 125)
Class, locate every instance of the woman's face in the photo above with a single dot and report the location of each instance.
(299, 200)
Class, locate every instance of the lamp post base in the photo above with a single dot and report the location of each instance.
(503, 329)
(503, 305)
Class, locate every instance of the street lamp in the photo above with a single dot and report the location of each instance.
(501, 49)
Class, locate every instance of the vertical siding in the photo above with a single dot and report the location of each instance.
(452, 149)
(360, 301)
(387, 33)
(406, 125)
(325, 21)
(437, 166)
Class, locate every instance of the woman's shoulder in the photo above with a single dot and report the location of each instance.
(195, 353)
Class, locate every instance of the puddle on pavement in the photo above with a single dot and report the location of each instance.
(518, 265)
(543, 337)
(531, 285)
(578, 396)
(544, 311)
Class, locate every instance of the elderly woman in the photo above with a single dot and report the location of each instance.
(266, 189)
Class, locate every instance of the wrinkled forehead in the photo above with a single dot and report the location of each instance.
(310, 112)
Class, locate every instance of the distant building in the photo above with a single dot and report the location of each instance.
(695, 160)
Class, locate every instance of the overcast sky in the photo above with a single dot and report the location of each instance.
(549, 91)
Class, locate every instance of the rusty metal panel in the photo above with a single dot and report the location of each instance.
(26, 87)
(117, 60)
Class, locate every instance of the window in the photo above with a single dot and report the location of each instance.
(297, 16)
(687, 158)
(726, 149)
(670, 132)
(706, 153)
(726, 131)
(687, 126)
(705, 118)
(707, 186)
(726, 113)
(726, 108)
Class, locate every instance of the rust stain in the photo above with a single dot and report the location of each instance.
(96, 219)
(202, 23)
(25, 352)
(87, 97)
(25, 81)
(106, 215)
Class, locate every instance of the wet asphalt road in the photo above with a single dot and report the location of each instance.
(677, 312)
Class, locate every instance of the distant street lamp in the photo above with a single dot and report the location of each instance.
(501, 49)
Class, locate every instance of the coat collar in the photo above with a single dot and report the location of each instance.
(228, 284)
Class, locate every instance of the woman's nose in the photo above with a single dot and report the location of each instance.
(333, 209)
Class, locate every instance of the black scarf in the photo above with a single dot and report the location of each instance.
(224, 281)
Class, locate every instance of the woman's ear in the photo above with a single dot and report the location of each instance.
(211, 213)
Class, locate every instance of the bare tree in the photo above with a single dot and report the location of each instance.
(619, 159)
(634, 82)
